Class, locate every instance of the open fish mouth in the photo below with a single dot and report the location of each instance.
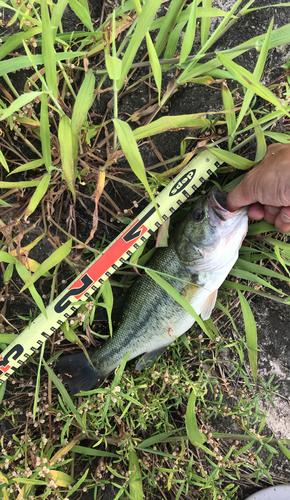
(218, 203)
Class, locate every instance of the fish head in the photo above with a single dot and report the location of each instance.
(210, 233)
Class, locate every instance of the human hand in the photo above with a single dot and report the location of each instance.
(267, 189)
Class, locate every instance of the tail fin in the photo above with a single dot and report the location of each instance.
(78, 372)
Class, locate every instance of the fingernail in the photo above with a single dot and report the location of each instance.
(273, 210)
(285, 217)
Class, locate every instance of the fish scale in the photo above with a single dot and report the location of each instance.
(202, 250)
(149, 309)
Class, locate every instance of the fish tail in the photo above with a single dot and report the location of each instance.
(79, 373)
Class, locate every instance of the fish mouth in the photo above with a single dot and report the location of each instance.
(217, 201)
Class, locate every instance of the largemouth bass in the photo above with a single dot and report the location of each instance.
(201, 251)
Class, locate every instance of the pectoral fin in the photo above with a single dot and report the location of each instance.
(149, 357)
(208, 305)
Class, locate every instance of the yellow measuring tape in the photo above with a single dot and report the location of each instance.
(148, 221)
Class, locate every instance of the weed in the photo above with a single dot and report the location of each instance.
(151, 433)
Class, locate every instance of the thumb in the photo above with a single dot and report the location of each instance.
(239, 197)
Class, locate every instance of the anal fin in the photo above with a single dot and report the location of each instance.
(208, 305)
(149, 357)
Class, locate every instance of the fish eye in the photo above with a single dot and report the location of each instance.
(198, 215)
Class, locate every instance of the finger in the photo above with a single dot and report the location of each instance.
(282, 221)
(256, 211)
(241, 195)
(271, 213)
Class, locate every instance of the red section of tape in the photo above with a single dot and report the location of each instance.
(110, 256)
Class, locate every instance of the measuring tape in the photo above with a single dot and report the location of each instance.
(102, 268)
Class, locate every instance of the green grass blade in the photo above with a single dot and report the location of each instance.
(4, 204)
(260, 270)
(155, 65)
(167, 24)
(25, 276)
(83, 103)
(16, 63)
(58, 10)
(156, 439)
(55, 258)
(20, 184)
(19, 103)
(203, 69)
(115, 383)
(144, 21)
(92, 452)
(65, 395)
(227, 313)
(278, 137)
(135, 482)
(211, 12)
(85, 5)
(2, 393)
(237, 286)
(19, 14)
(34, 65)
(279, 244)
(184, 15)
(65, 139)
(244, 77)
(36, 393)
(205, 23)
(114, 67)
(176, 296)
(15, 41)
(280, 259)
(6, 257)
(284, 450)
(69, 333)
(232, 159)
(77, 485)
(8, 273)
(37, 195)
(3, 161)
(261, 227)
(190, 421)
(82, 13)
(251, 335)
(171, 123)
(246, 275)
(257, 74)
(120, 371)
(107, 294)
(247, 11)
(278, 37)
(189, 33)
(132, 153)
(184, 76)
(230, 117)
(48, 51)
(28, 166)
(45, 133)
(260, 138)
(173, 40)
